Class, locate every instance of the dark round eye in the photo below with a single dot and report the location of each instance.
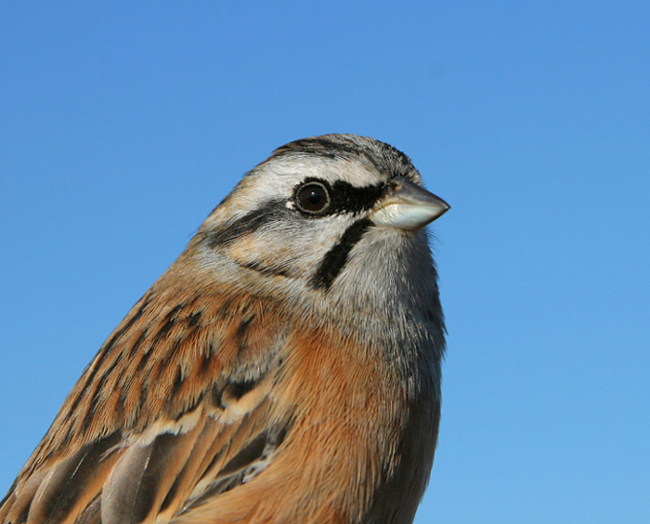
(312, 198)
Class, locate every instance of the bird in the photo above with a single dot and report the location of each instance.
(286, 368)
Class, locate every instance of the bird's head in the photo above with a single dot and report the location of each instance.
(335, 218)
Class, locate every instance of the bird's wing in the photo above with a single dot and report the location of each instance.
(176, 408)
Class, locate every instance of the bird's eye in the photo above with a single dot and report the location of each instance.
(312, 198)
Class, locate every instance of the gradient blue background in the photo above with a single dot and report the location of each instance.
(123, 125)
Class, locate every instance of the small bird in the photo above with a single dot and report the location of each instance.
(284, 369)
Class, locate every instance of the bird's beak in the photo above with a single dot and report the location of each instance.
(407, 206)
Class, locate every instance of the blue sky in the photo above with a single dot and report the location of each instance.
(122, 125)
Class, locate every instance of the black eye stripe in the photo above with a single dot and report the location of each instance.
(343, 198)
(346, 198)
(273, 210)
(351, 199)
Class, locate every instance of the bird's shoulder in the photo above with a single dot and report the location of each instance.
(198, 391)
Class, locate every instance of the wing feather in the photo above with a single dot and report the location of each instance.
(73, 482)
(174, 408)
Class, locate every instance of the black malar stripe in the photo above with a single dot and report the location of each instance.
(336, 258)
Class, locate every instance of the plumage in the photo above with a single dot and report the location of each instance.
(284, 369)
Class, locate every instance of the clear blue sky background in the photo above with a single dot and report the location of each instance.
(122, 124)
